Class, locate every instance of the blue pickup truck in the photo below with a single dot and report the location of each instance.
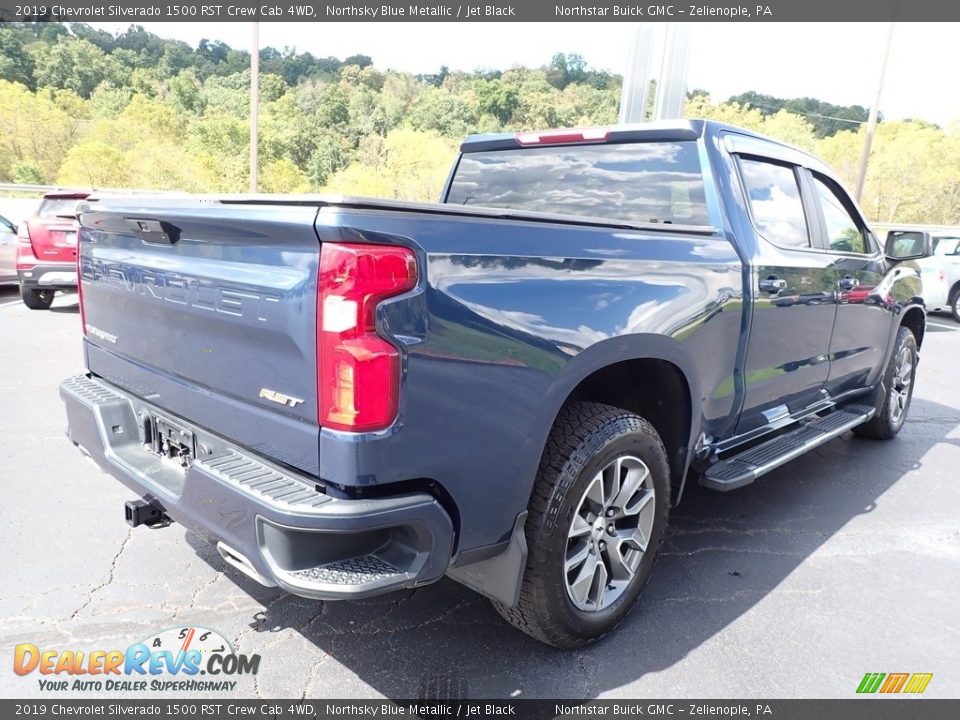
(511, 388)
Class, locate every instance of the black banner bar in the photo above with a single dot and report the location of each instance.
(140, 11)
(874, 708)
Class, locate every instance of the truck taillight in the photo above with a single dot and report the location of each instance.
(358, 372)
(26, 258)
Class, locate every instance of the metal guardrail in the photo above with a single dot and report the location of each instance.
(19, 187)
(42, 189)
(881, 229)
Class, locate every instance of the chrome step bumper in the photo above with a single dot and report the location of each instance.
(275, 525)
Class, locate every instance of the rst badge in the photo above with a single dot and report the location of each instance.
(279, 397)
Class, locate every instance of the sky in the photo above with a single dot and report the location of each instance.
(836, 62)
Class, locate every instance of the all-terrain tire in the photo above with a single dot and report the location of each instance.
(893, 401)
(585, 439)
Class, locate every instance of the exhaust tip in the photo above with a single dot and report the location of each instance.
(241, 563)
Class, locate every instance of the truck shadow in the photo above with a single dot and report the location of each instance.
(724, 553)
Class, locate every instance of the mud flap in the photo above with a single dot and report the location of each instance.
(498, 577)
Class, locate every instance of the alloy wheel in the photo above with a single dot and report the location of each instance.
(609, 533)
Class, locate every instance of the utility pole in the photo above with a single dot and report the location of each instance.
(254, 108)
(872, 119)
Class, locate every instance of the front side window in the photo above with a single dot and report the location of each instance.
(843, 233)
(775, 202)
(644, 182)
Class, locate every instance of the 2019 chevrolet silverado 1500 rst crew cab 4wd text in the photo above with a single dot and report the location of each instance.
(351, 396)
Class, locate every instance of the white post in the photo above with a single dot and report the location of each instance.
(636, 77)
(672, 83)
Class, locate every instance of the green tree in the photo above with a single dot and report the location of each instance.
(26, 172)
(406, 164)
(334, 109)
(74, 64)
(186, 92)
(282, 176)
(16, 64)
(94, 164)
(496, 98)
(34, 130)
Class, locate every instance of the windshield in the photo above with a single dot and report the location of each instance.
(635, 182)
(52, 208)
(946, 245)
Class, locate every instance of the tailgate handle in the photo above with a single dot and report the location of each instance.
(153, 231)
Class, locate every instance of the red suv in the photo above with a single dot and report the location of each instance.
(47, 249)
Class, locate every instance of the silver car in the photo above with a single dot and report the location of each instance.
(8, 251)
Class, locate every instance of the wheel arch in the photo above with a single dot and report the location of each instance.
(651, 375)
(915, 320)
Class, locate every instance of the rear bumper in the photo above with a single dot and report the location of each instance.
(272, 524)
(49, 276)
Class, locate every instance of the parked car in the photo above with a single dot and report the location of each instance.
(941, 276)
(47, 249)
(349, 396)
(8, 252)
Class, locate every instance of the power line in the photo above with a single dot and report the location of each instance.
(807, 114)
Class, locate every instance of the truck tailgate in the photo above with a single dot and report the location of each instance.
(208, 311)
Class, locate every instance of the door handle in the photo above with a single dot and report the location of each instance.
(772, 285)
(847, 282)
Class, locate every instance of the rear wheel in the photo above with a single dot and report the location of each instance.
(897, 389)
(36, 299)
(955, 305)
(595, 523)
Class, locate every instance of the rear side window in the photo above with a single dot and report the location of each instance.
(633, 182)
(842, 230)
(52, 208)
(775, 203)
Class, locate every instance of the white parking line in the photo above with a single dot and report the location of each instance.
(945, 327)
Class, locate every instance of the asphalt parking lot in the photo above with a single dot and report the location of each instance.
(844, 562)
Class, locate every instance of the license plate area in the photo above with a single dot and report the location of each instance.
(171, 441)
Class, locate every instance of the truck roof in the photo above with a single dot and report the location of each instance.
(662, 130)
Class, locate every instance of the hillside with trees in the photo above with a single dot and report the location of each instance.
(81, 106)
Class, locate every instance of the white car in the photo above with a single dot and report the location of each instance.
(8, 252)
(941, 275)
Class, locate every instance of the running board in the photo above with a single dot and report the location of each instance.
(746, 467)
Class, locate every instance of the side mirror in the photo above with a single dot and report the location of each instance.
(908, 245)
